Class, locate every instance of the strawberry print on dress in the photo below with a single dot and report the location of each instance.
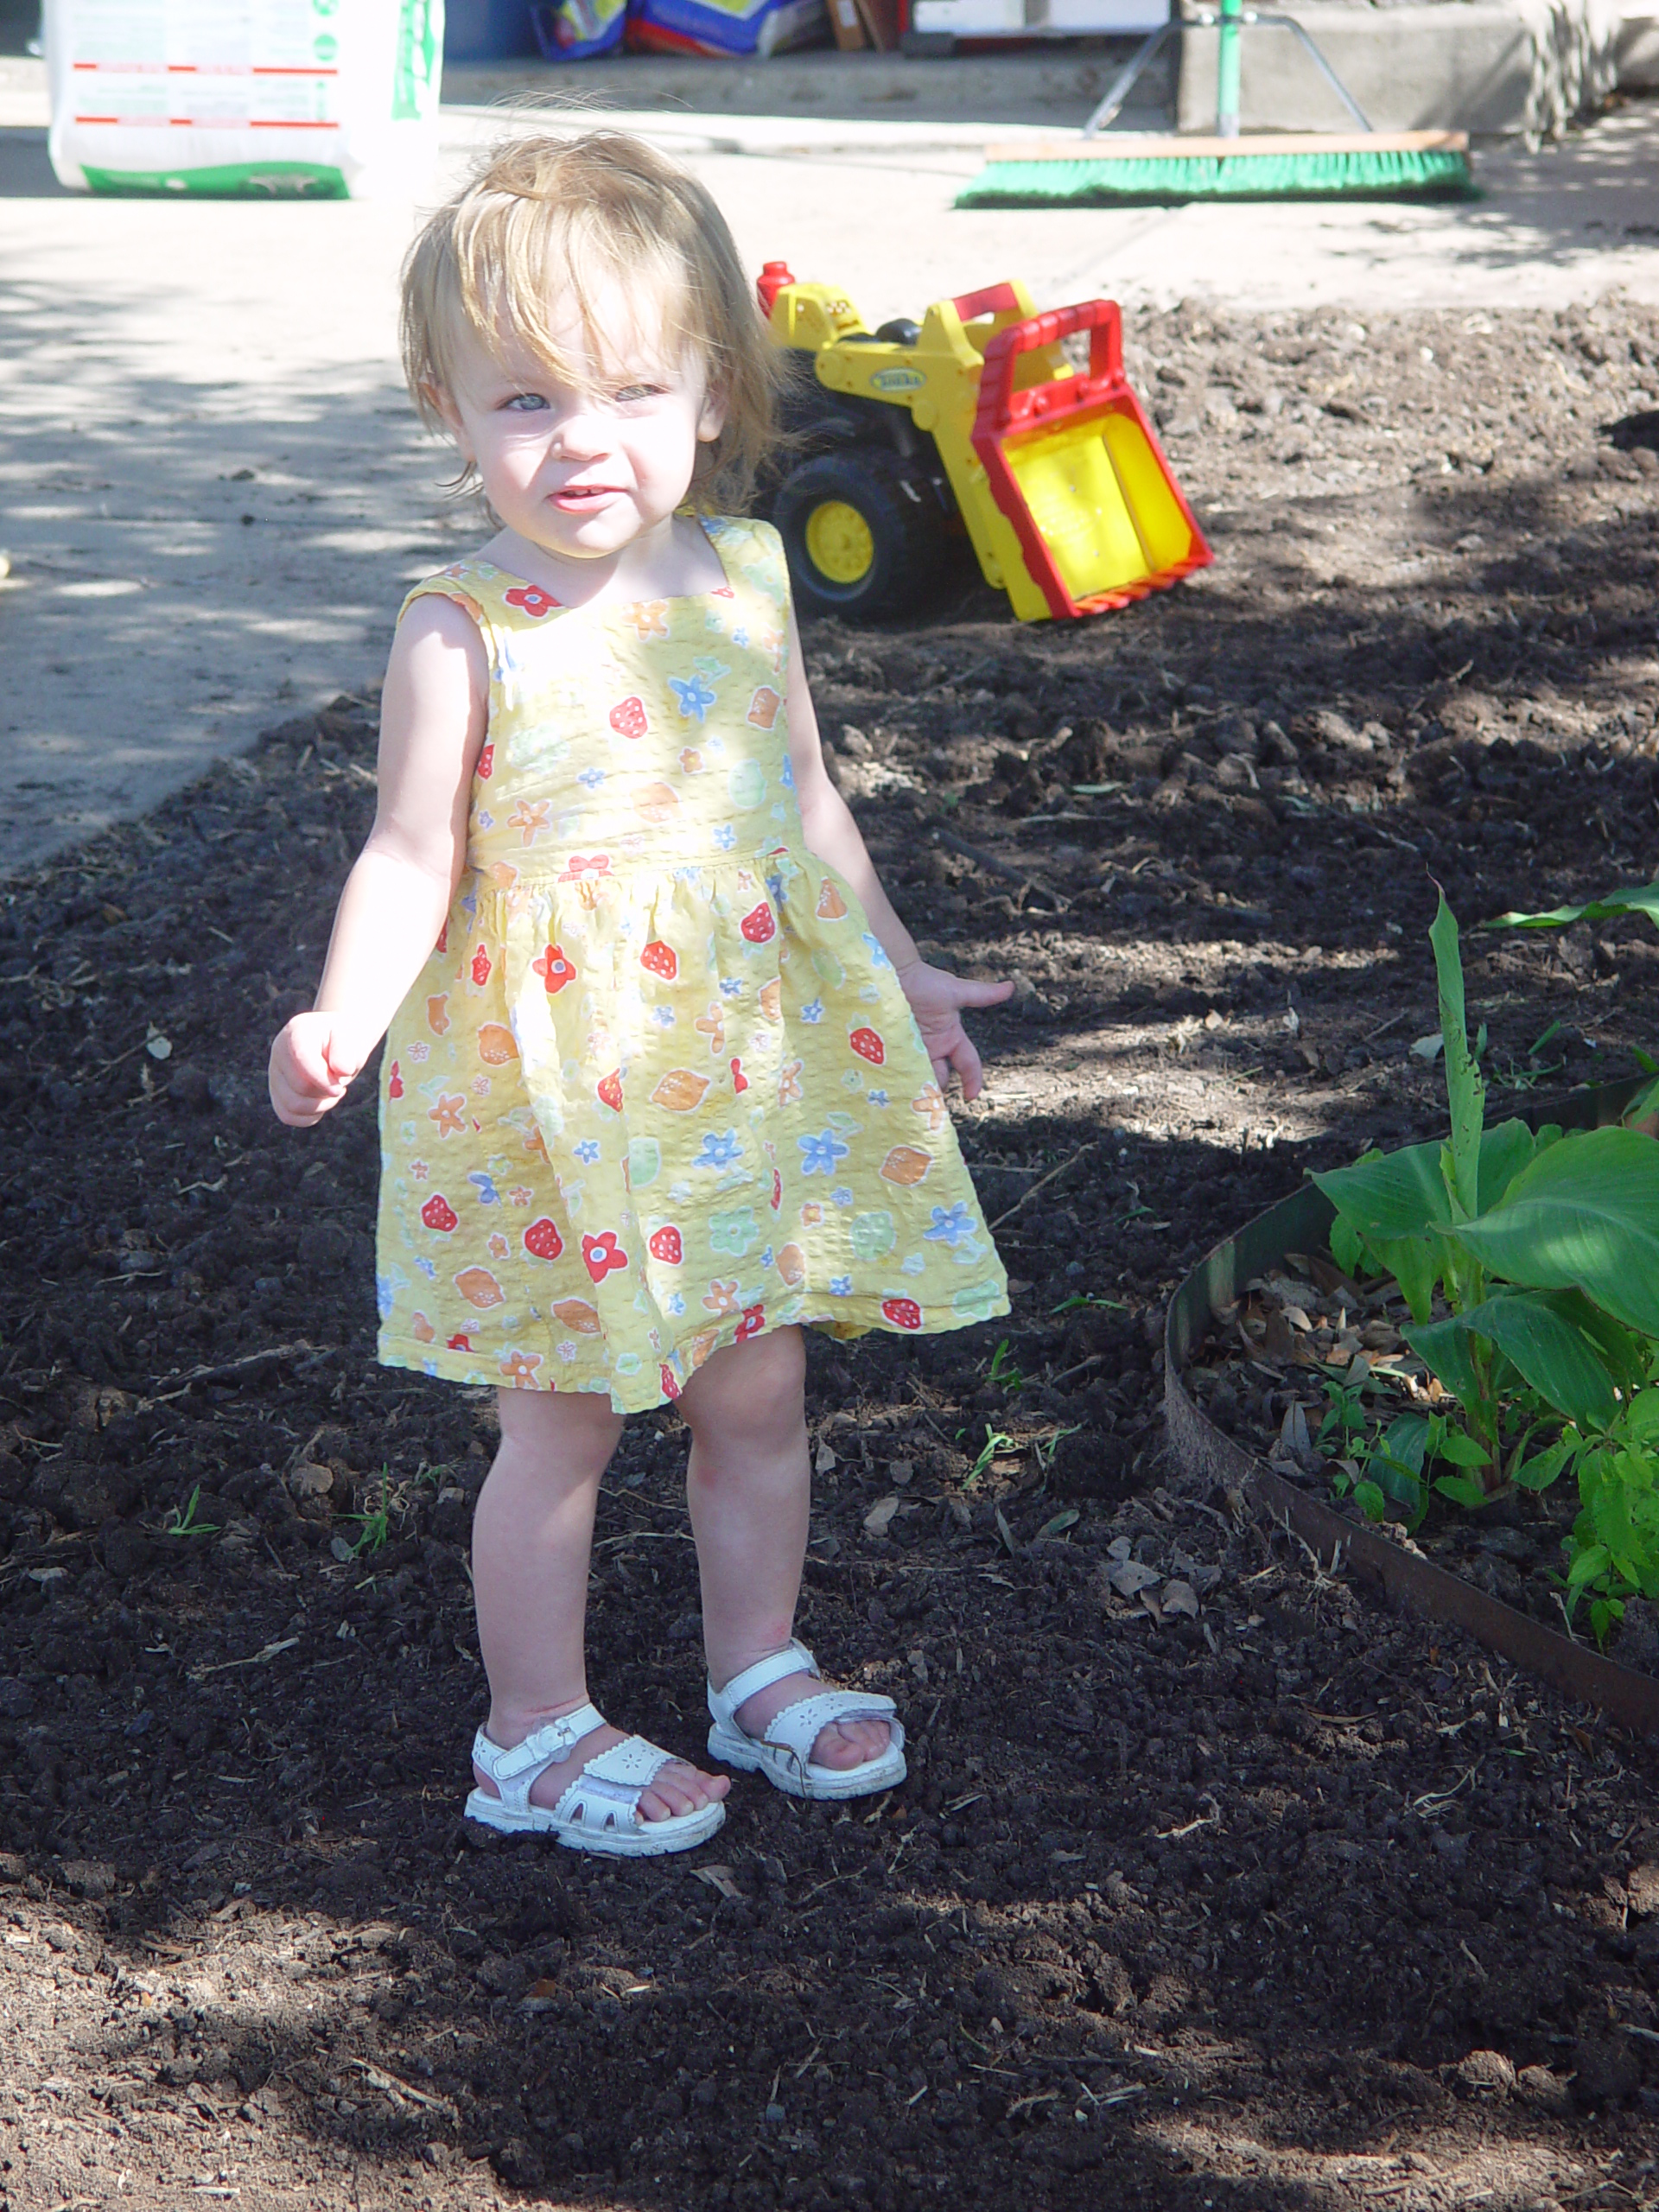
(679, 1095)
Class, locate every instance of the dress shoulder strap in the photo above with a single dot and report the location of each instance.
(469, 584)
(752, 552)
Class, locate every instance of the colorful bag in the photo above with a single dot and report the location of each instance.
(573, 30)
(760, 28)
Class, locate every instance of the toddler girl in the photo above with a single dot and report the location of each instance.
(670, 1086)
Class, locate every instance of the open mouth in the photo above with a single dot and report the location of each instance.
(577, 496)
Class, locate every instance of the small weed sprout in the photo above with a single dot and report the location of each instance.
(1004, 1373)
(185, 1523)
(995, 1443)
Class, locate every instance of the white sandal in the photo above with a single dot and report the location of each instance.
(782, 1754)
(601, 1810)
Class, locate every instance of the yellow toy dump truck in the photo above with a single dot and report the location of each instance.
(973, 420)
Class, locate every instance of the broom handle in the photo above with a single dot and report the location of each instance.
(1227, 60)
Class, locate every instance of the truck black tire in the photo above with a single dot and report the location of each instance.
(863, 531)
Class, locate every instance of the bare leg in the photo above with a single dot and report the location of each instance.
(749, 1488)
(532, 1536)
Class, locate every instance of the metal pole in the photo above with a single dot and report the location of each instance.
(1120, 89)
(1227, 60)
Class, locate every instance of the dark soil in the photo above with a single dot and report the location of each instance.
(1235, 1892)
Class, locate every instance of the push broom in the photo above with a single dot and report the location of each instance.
(1133, 170)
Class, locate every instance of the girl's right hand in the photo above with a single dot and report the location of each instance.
(310, 1075)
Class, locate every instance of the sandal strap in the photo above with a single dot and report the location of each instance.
(514, 1769)
(611, 1783)
(798, 1727)
(793, 1659)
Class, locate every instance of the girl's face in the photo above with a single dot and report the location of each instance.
(583, 471)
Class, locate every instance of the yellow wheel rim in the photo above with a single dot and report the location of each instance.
(839, 542)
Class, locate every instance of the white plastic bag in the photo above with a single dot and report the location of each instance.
(256, 98)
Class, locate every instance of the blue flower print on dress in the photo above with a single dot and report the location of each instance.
(841, 1286)
(385, 1295)
(876, 950)
(663, 1016)
(484, 820)
(952, 1225)
(724, 837)
(841, 1195)
(587, 1152)
(695, 696)
(813, 1010)
(876, 1097)
(485, 1185)
(731, 987)
(591, 778)
(721, 1150)
(674, 1303)
(822, 1154)
(427, 1268)
(786, 776)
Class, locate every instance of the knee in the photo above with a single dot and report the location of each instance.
(750, 1399)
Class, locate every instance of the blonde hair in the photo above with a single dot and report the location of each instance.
(543, 215)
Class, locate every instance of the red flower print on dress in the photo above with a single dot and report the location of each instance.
(629, 718)
(543, 1240)
(395, 1087)
(486, 764)
(601, 1255)
(661, 959)
(480, 967)
(671, 1384)
(754, 1319)
(460, 1344)
(903, 1313)
(534, 601)
(757, 924)
(580, 864)
(740, 1081)
(438, 1213)
(554, 970)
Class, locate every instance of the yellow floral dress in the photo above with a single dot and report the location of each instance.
(657, 1090)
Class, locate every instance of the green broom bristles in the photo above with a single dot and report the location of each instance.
(1436, 173)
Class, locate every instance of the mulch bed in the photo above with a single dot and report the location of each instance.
(1228, 1889)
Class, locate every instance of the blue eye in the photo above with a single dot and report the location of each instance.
(630, 392)
(525, 403)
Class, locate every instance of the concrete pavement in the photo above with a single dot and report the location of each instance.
(213, 494)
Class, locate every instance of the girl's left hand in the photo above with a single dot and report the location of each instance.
(937, 1000)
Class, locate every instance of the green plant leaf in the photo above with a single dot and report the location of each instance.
(1461, 1451)
(1415, 1264)
(1465, 1092)
(1541, 1470)
(1461, 1490)
(1644, 900)
(1388, 1196)
(1444, 1348)
(1394, 1194)
(1583, 1215)
(1060, 1523)
(1588, 1564)
(1542, 1333)
(1370, 1501)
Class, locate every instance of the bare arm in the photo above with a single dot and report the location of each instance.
(937, 998)
(433, 713)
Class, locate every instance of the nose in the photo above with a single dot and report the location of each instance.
(580, 433)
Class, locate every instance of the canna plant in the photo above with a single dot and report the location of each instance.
(1541, 1251)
